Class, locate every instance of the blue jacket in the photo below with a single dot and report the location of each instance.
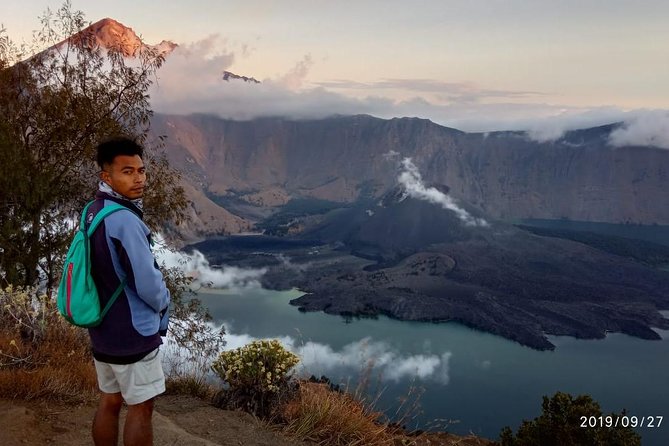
(121, 249)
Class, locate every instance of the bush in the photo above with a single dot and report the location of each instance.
(324, 416)
(560, 425)
(42, 355)
(257, 375)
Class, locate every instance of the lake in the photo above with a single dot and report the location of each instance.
(478, 381)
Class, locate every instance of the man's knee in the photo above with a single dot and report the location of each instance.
(111, 401)
(144, 409)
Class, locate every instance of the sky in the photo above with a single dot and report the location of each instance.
(534, 65)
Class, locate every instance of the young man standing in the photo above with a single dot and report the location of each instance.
(126, 344)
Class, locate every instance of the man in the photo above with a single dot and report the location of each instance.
(126, 344)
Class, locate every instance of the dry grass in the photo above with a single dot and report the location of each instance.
(326, 417)
(41, 355)
(189, 385)
(52, 370)
(329, 418)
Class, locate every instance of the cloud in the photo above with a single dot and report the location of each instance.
(354, 359)
(197, 267)
(190, 82)
(550, 131)
(645, 129)
(294, 78)
(448, 91)
(380, 357)
(411, 179)
(194, 66)
(554, 127)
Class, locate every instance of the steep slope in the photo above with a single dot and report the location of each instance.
(344, 159)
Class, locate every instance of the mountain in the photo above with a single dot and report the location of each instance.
(495, 277)
(253, 168)
(369, 245)
(414, 260)
(110, 34)
(365, 243)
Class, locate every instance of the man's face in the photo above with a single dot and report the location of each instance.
(126, 175)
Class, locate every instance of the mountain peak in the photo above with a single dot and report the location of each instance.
(228, 75)
(112, 34)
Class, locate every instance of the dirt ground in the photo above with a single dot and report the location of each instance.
(178, 420)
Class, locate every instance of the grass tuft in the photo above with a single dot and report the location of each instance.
(326, 417)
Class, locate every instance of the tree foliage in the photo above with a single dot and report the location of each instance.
(560, 424)
(59, 97)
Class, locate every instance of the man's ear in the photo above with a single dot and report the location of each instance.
(104, 176)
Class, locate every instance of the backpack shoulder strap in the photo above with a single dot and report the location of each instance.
(104, 212)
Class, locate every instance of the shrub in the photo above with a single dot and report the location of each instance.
(324, 416)
(41, 355)
(560, 425)
(257, 375)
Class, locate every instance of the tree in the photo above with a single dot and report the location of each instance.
(57, 105)
(561, 424)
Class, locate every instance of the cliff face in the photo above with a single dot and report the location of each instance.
(578, 178)
(266, 162)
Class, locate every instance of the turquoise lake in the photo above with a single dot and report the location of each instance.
(477, 381)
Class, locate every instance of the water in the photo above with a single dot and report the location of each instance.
(479, 381)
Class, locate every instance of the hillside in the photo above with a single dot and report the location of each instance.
(252, 168)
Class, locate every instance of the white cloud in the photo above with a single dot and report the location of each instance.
(411, 179)
(553, 127)
(547, 132)
(649, 128)
(439, 91)
(193, 67)
(297, 75)
(380, 357)
(190, 81)
(197, 267)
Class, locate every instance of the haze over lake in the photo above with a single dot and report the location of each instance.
(480, 381)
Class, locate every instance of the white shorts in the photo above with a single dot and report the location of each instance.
(137, 382)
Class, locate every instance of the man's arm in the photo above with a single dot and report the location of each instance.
(148, 280)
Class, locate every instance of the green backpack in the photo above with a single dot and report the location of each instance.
(78, 299)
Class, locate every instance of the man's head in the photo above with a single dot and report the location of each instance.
(122, 168)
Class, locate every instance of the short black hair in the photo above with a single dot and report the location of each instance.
(119, 145)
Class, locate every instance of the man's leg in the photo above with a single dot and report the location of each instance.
(138, 430)
(141, 383)
(105, 423)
